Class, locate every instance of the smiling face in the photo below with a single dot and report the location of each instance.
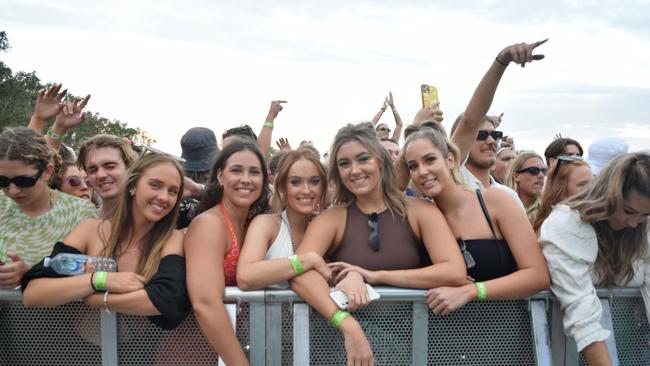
(483, 153)
(157, 191)
(358, 168)
(74, 183)
(579, 179)
(430, 171)
(241, 178)
(502, 165)
(528, 184)
(304, 187)
(106, 171)
(24, 196)
(634, 210)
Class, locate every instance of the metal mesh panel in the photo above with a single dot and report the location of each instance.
(287, 334)
(491, 333)
(388, 327)
(141, 343)
(631, 330)
(65, 335)
(243, 326)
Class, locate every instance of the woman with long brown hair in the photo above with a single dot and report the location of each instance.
(140, 236)
(600, 238)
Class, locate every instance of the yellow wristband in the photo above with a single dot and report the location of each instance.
(338, 317)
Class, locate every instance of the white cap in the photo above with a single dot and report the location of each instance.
(603, 150)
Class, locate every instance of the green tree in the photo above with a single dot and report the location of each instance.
(18, 95)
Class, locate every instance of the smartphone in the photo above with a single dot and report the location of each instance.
(342, 301)
(429, 95)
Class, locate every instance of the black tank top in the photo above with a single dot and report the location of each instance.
(492, 256)
(399, 247)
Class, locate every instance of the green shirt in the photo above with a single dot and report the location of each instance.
(33, 237)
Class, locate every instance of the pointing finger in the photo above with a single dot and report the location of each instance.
(539, 43)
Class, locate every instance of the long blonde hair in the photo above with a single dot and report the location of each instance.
(122, 219)
(520, 160)
(617, 250)
(365, 134)
(279, 199)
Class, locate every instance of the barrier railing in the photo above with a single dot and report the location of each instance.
(277, 328)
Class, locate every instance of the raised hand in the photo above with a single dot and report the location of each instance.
(48, 102)
(283, 144)
(431, 113)
(390, 100)
(72, 113)
(520, 53)
(274, 110)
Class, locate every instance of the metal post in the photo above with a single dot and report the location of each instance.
(420, 341)
(606, 322)
(540, 332)
(300, 334)
(558, 339)
(273, 335)
(109, 338)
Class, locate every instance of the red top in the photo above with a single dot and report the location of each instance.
(230, 260)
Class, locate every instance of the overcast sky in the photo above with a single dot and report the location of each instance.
(166, 66)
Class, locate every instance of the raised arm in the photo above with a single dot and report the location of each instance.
(266, 135)
(48, 104)
(381, 111)
(479, 104)
(398, 120)
(254, 271)
(68, 118)
(313, 288)
(205, 247)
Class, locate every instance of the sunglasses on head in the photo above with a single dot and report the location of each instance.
(383, 129)
(21, 181)
(483, 135)
(374, 235)
(75, 181)
(532, 170)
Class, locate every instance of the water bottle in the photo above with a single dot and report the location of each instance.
(76, 264)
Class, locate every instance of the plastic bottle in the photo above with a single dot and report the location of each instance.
(76, 264)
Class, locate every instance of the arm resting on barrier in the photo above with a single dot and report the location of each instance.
(135, 303)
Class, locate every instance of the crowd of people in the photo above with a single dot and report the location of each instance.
(466, 217)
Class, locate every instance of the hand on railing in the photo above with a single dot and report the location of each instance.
(354, 288)
(444, 300)
(10, 274)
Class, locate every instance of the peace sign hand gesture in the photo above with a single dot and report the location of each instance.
(520, 53)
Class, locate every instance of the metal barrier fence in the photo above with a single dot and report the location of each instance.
(277, 328)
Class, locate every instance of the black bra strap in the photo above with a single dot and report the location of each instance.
(485, 212)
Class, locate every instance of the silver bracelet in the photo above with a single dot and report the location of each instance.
(106, 309)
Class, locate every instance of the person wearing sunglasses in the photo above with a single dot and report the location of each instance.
(32, 216)
(72, 180)
(526, 177)
(498, 244)
(568, 176)
(268, 257)
(601, 237)
(375, 235)
(382, 129)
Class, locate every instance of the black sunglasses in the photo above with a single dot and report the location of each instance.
(383, 129)
(374, 235)
(483, 135)
(21, 181)
(467, 256)
(533, 170)
(75, 181)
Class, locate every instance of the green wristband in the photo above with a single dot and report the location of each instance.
(53, 135)
(338, 317)
(268, 124)
(296, 264)
(481, 291)
(100, 281)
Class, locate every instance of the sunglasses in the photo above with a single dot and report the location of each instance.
(75, 181)
(383, 129)
(21, 181)
(533, 170)
(374, 235)
(467, 256)
(483, 135)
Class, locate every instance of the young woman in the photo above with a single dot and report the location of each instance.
(499, 247)
(141, 237)
(236, 192)
(600, 238)
(32, 216)
(375, 235)
(568, 176)
(526, 177)
(300, 188)
(72, 180)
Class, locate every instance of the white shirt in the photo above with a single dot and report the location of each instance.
(570, 247)
(282, 247)
(474, 183)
